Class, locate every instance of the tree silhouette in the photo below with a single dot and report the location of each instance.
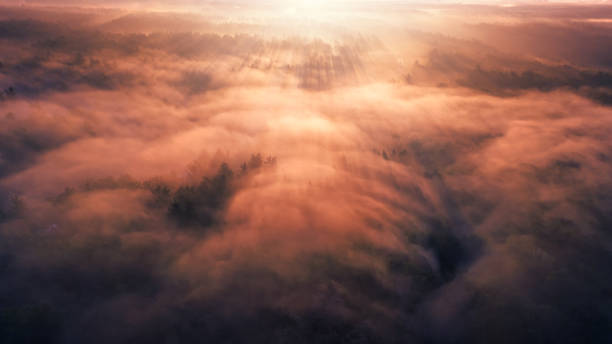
(199, 204)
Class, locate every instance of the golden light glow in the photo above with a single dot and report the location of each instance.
(305, 172)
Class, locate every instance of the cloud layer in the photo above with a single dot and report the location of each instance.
(176, 178)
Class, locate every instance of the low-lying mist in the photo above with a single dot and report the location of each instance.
(184, 178)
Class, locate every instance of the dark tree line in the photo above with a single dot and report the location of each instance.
(190, 205)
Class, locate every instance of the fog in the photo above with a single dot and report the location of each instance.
(323, 174)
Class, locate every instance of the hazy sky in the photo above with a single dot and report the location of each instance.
(287, 2)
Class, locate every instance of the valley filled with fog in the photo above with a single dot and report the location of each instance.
(307, 173)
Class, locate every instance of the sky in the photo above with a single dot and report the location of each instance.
(348, 173)
(349, 3)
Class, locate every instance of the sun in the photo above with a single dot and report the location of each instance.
(316, 10)
(312, 7)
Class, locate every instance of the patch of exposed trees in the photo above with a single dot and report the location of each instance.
(190, 205)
